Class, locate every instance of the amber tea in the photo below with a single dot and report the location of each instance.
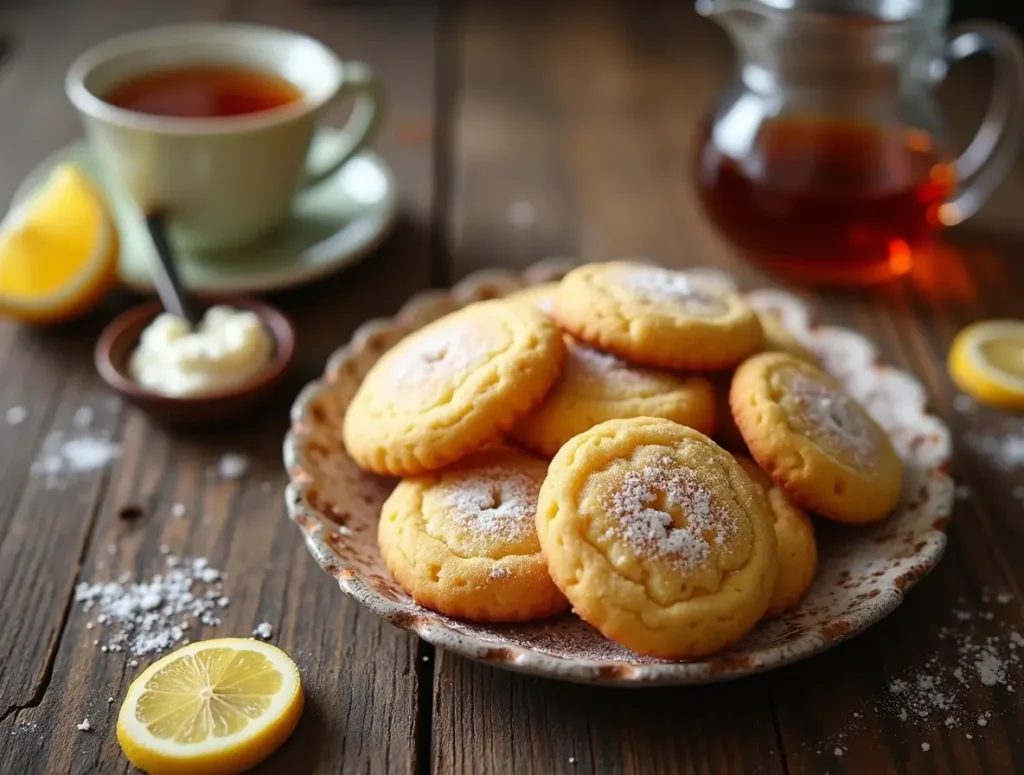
(213, 91)
(828, 201)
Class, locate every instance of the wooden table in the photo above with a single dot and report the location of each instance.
(514, 135)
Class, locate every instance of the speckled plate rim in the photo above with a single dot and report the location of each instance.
(937, 488)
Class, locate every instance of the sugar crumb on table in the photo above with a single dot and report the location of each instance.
(16, 415)
(263, 631)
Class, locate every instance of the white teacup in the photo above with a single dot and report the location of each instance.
(223, 182)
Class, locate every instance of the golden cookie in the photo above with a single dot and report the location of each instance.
(596, 386)
(541, 296)
(463, 541)
(657, 537)
(778, 338)
(815, 442)
(798, 552)
(452, 387)
(657, 317)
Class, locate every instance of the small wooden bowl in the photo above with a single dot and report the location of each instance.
(120, 338)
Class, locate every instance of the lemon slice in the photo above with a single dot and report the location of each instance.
(986, 360)
(216, 706)
(58, 250)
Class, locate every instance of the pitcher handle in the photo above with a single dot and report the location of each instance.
(985, 162)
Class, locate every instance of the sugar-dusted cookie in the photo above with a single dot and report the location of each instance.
(463, 540)
(452, 387)
(657, 537)
(540, 296)
(596, 386)
(815, 442)
(798, 551)
(778, 338)
(656, 316)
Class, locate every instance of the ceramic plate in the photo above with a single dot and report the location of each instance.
(332, 226)
(863, 573)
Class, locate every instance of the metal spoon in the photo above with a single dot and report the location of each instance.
(165, 277)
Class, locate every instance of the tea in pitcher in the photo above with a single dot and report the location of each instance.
(826, 157)
(826, 200)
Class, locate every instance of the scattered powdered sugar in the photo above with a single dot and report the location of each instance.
(500, 572)
(62, 458)
(263, 631)
(1005, 450)
(652, 531)
(944, 692)
(147, 617)
(82, 418)
(495, 502)
(665, 286)
(16, 415)
(232, 465)
(178, 510)
(84, 725)
(925, 747)
(832, 416)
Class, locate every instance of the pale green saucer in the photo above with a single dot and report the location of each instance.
(333, 225)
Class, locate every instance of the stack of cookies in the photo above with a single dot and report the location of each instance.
(566, 446)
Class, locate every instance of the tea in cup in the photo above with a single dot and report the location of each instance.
(212, 123)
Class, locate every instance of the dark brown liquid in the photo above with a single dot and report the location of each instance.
(204, 92)
(830, 202)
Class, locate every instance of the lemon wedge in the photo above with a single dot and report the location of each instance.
(214, 707)
(986, 361)
(58, 250)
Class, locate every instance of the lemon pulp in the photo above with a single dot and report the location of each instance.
(213, 693)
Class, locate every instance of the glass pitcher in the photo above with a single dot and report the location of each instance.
(826, 159)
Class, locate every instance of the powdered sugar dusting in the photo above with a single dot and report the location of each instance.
(588, 360)
(665, 286)
(150, 616)
(1004, 447)
(16, 415)
(946, 689)
(445, 353)
(62, 458)
(232, 465)
(833, 418)
(497, 502)
(652, 531)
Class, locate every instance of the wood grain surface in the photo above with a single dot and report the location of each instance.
(516, 133)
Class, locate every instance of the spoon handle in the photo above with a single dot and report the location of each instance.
(165, 277)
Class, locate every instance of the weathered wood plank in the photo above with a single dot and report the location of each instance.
(360, 675)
